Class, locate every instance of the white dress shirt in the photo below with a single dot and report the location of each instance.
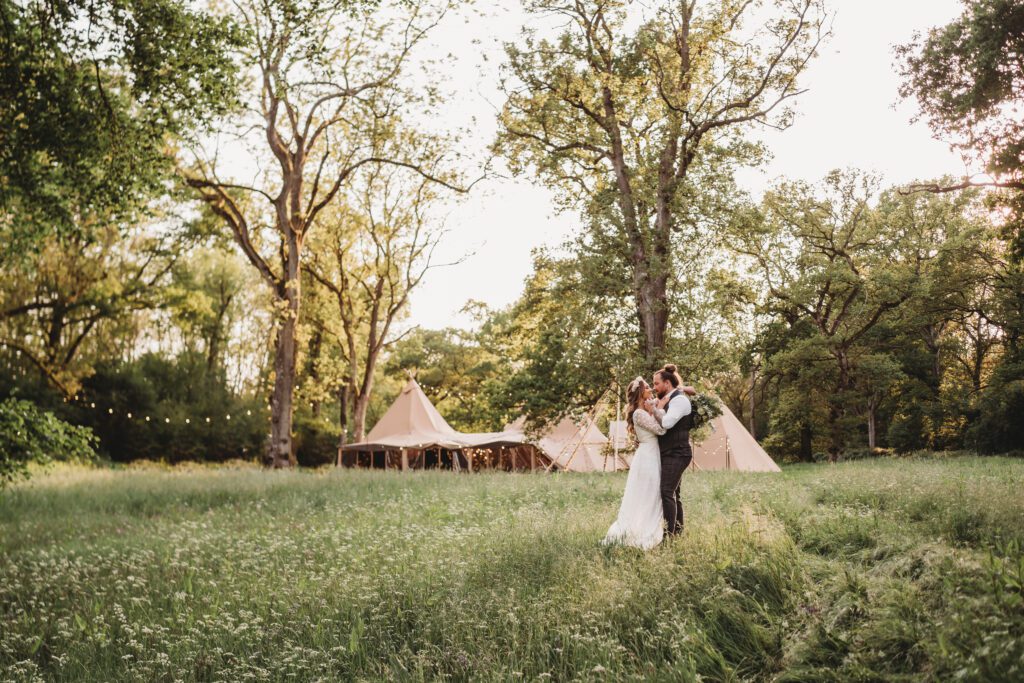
(678, 408)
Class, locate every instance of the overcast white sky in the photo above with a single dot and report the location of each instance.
(850, 117)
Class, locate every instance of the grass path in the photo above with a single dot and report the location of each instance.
(884, 570)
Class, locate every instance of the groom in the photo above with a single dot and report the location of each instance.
(676, 454)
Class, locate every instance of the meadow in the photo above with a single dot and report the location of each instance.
(896, 569)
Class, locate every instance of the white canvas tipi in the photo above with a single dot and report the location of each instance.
(577, 448)
(412, 421)
(731, 447)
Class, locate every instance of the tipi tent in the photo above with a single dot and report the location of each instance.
(412, 421)
(412, 434)
(618, 434)
(577, 447)
(731, 447)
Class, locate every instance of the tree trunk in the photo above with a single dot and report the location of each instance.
(217, 335)
(315, 349)
(342, 418)
(753, 386)
(806, 453)
(652, 313)
(279, 452)
(836, 408)
(362, 402)
(932, 335)
(871, 426)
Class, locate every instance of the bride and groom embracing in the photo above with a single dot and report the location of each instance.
(662, 429)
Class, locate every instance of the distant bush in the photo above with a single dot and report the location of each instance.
(999, 423)
(316, 440)
(187, 407)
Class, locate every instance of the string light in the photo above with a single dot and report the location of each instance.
(167, 420)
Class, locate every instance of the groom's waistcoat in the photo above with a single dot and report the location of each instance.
(676, 441)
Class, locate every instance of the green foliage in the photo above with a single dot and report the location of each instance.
(30, 435)
(457, 371)
(967, 76)
(905, 569)
(564, 343)
(168, 392)
(999, 421)
(316, 440)
(865, 290)
(90, 96)
(79, 296)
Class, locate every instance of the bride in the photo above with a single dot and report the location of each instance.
(639, 523)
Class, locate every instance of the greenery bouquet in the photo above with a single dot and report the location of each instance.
(705, 408)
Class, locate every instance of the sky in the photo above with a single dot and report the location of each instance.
(851, 117)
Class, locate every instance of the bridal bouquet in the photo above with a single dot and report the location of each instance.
(704, 409)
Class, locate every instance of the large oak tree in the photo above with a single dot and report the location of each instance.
(632, 109)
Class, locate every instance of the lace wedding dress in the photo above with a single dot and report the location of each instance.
(639, 523)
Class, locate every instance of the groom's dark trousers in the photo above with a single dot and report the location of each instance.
(672, 466)
(676, 456)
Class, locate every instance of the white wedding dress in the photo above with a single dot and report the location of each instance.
(639, 523)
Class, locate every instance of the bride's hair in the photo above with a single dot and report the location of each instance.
(670, 374)
(634, 397)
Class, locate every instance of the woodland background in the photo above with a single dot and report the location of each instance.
(213, 219)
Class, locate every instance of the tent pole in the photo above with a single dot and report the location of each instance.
(405, 459)
(618, 421)
(591, 419)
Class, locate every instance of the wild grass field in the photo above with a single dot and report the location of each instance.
(904, 569)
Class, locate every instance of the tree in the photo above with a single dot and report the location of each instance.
(93, 96)
(328, 89)
(839, 263)
(967, 77)
(639, 129)
(369, 255)
(79, 288)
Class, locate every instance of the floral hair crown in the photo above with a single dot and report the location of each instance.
(635, 384)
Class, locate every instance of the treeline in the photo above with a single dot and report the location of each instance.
(834, 320)
(215, 214)
(214, 221)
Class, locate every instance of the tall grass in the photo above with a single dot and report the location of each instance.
(882, 570)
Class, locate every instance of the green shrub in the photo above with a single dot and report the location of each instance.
(29, 435)
(315, 440)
